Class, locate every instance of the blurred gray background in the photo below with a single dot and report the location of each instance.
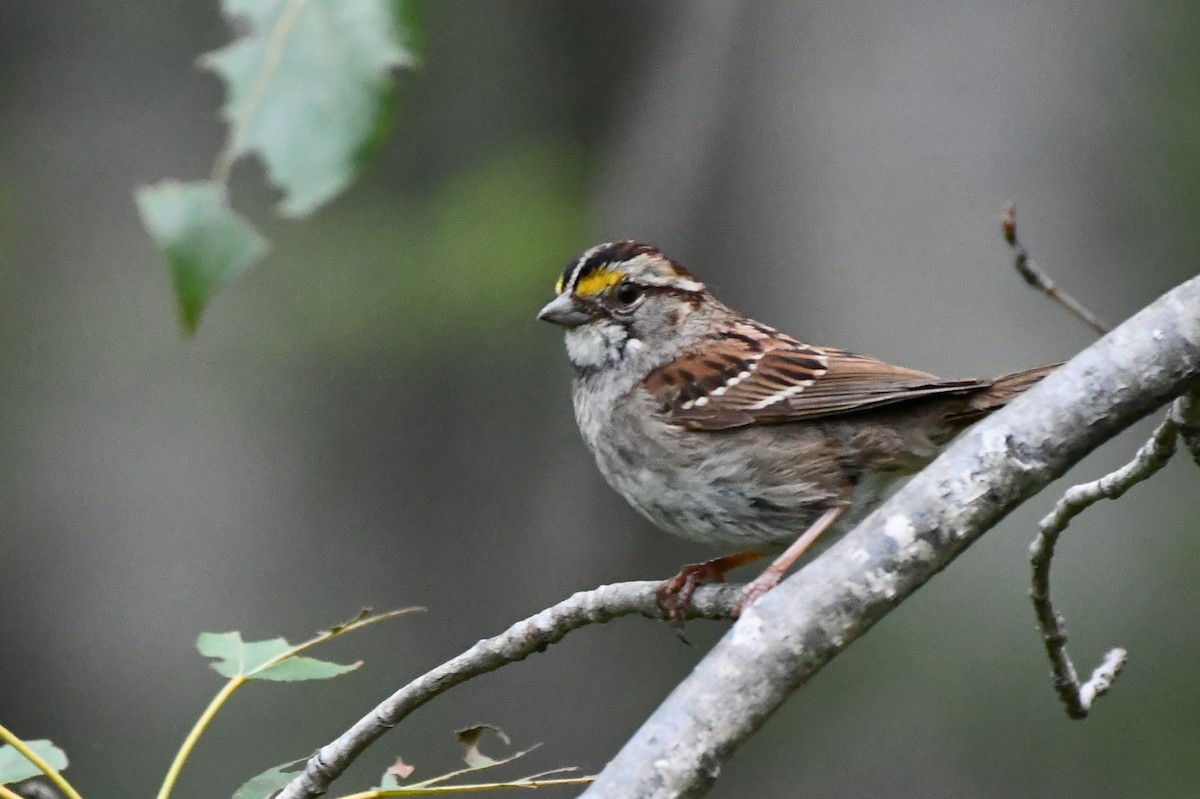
(373, 417)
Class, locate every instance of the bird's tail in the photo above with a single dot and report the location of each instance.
(998, 392)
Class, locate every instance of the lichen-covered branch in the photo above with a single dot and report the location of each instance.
(788, 635)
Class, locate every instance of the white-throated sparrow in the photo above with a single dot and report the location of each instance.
(723, 430)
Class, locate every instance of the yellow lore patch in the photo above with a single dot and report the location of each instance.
(598, 281)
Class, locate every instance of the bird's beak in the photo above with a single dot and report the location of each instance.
(564, 310)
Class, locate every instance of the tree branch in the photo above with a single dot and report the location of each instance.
(518, 642)
(796, 629)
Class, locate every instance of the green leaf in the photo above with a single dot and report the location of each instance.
(14, 767)
(204, 241)
(295, 669)
(267, 783)
(308, 85)
(264, 660)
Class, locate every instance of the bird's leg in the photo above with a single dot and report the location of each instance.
(675, 595)
(771, 575)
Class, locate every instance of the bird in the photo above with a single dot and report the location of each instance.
(723, 430)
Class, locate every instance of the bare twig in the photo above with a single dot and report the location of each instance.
(516, 643)
(1035, 277)
(1183, 420)
(1078, 698)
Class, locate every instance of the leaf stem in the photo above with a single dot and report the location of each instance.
(189, 743)
(59, 781)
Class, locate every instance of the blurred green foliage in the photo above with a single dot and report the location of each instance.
(417, 273)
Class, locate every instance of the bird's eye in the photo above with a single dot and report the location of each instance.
(628, 293)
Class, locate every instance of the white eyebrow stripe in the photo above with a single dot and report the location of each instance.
(667, 281)
(569, 286)
(675, 282)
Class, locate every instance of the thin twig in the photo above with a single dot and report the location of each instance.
(518, 642)
(1035, 277)
(1152, 456)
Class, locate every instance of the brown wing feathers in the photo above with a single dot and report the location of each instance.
(756, 375)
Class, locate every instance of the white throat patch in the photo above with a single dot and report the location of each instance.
(592, 345)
